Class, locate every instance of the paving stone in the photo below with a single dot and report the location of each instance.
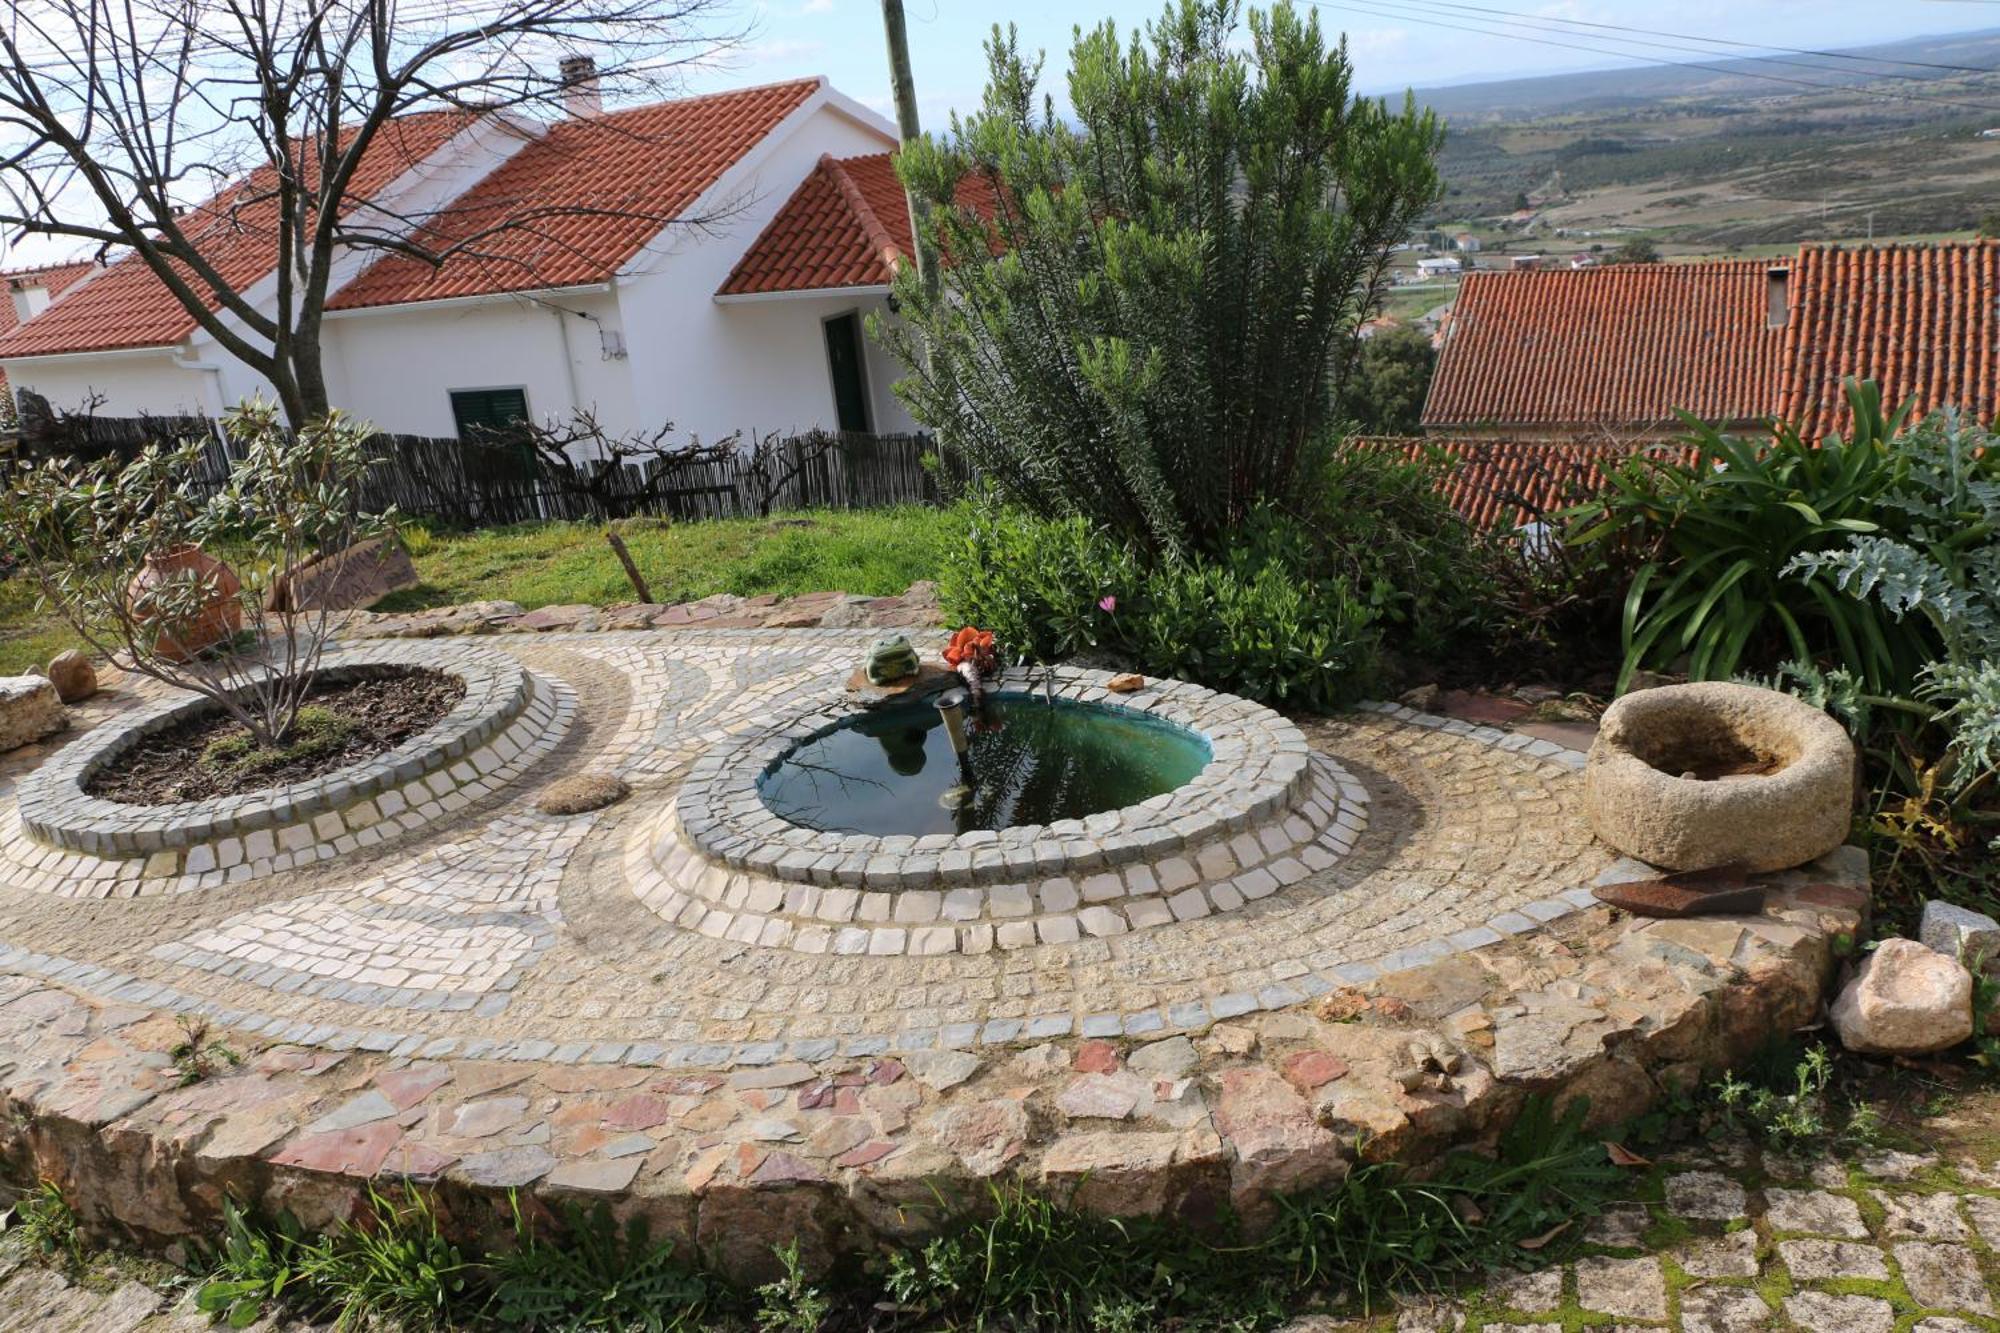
(504, 1168)
(1100, 1097)
(1625, 1288)
(596, 1177)
(1731, 1255)
(1714, 1309)
(1943, 1277)
(1920, 1216)
(1622, 1226)
(1705, 1195)
(1819, 1312)
(1538, 1292)
(1985, 1214)
(939, 1070)
(1825, 1260)
(1815, 1212)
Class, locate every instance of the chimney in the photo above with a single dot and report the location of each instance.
(1777, 296)
(579, 86)
(31, 298)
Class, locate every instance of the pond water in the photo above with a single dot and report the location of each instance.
(892, 771)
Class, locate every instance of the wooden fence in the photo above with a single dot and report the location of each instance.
(483, 483)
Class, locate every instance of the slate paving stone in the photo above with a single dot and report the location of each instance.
(1733, 1255)
(1920, 1216)
(1826, 1260)
(1711, 1309)
(1819, 1312)
(1619, 1227)
(1815, 1212)
(1985, 1215)
(1706, 1195)
(1624, 1288)
(1530, 1293)
(1943, 1277)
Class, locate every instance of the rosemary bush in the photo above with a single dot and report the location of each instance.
(1139, 317)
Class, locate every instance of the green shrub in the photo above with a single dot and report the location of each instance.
(1724, 528)
(1144, 303)
(1256, 623)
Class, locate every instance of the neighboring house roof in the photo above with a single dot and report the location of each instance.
(582, 199)
(59, 279)
(847, 225)
(1614, 347)
(1922, 321)
(1509, 483)
(128, 306)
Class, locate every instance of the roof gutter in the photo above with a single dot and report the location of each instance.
(94, 354)
(533, 294)
(799, 294)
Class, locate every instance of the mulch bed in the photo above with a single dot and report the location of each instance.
(165, 767)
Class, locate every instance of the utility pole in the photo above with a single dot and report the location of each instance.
(904, 87)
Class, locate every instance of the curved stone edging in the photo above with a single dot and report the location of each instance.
(1257, 765)
(83, 846)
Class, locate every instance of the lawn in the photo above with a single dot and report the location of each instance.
(874, 552)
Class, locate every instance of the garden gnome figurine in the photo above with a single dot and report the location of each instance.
(891, 660)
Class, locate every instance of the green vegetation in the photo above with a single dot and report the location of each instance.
(1023, 1262)
(1639, 250)
(866, 552)
(44, 1216)
(315, 731)
(1383, 393)
(1147, 344)
(196, 1055)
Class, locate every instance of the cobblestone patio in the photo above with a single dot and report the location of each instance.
(489, 1002)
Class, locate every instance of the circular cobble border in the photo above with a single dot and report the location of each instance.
(1258, 766)
(75, 843)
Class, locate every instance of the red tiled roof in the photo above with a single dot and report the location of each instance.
(847, 225)
(582, 199)
(1920, 320)
(1508, 483)
(128, 306)
(58, 278)
(1613, 347)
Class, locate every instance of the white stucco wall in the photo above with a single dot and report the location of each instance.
(398, 367)
(132, 384)
(713, 368)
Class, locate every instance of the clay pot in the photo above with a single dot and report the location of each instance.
(219, 618)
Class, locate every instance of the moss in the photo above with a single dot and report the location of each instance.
(317, 731)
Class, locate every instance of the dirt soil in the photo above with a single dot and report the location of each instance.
(166, 767)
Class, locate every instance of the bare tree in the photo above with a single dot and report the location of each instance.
(184, 129)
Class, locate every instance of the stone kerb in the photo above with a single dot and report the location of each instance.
(71, 840)
(1258, 766)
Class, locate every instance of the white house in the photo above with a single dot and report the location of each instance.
(1441, 267)
(743, 314)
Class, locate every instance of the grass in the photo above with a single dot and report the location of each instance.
(316, 731)
(871, 553)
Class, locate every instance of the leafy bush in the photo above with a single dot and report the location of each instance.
(1724, 525)
(1139, 312)
(86, 529)
(1384, 390)
(1252, 623)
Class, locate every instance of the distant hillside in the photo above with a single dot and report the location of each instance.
(1715, 159)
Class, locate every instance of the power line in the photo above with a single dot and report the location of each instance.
(1725, 41)
(1352, 6)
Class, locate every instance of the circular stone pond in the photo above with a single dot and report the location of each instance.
(1030, 760)
(1087, 813)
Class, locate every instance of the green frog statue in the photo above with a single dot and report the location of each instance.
(890, 660)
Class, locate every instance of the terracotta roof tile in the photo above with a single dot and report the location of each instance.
(1508, 483)
(1920, 320)
(847, 225)
(582, 199)
(60, 279)
(128, 306)
(1614, 347)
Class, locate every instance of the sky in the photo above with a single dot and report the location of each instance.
(1395, 44)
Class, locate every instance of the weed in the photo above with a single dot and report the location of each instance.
(791, 1304)
(44, 1216)
(195, 1056)
(251, 1272)
(317, 731)
(597, 1276)
(1783, 1099)
(396, 1265)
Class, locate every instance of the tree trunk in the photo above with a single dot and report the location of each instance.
(309, 397)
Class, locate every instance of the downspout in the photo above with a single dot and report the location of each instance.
(568, 358)
(213, 373)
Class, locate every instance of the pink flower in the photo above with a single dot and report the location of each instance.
(1107, 603)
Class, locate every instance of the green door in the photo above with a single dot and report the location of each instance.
(843, 359)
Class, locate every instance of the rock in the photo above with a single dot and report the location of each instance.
(1423, 698)
(579, 792)
(848, 613)
(1275, 1144)
(1904, 999)
(1956, 932)
(73, 676)
(930, 678)
(30, 708)
(1692, 777)
(361, 575)
(1125, 682)
(940, 1070)
(570, 615)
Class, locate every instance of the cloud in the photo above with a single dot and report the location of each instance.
(816, 7)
